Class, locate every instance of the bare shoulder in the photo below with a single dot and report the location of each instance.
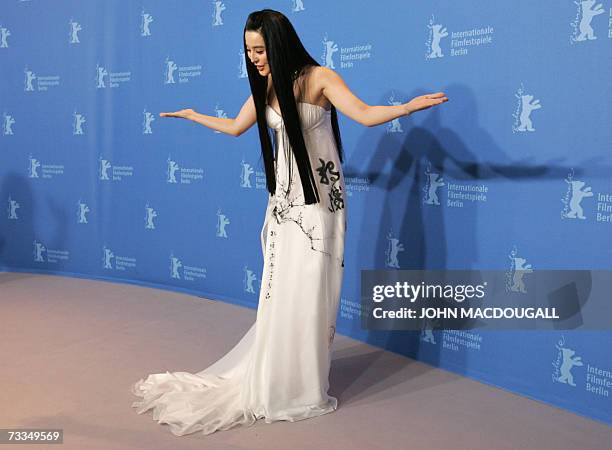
(323, 75)
(320, 79)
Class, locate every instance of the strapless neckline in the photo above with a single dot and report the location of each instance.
(301, 103)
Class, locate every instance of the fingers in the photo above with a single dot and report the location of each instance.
(433, 100)
(437, 99)
(180, 114)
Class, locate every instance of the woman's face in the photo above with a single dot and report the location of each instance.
(256, 52)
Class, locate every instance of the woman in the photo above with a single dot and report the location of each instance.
(279, 370)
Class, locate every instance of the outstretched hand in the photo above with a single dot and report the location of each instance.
(425, 101)
(182, 114)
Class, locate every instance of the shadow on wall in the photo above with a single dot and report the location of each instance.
(16, 223)
(29, 226)
(409, 220)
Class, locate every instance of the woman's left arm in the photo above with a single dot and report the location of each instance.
(337, 92)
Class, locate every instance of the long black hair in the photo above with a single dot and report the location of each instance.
(288, 60)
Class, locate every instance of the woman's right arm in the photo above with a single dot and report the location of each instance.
(234, 127)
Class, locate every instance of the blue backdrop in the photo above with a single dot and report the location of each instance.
(513, 173)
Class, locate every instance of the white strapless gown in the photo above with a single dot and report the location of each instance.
(279, 370)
